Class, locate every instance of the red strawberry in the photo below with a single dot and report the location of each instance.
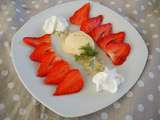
(47, 61)
(101, 31)
(115, 37)
(72, 83)
(44, 57)
(88, 25)
(80, 15)
(35, 41)
(39, 51)
(118, 52)
(57, 72)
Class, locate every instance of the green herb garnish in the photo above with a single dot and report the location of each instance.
(87, 52)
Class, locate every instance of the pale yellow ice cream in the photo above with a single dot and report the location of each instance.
(75, 41)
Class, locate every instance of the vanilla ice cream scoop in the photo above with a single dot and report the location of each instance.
(75, 41)
(108, 80)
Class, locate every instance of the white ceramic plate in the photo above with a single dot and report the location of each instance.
(87, 101)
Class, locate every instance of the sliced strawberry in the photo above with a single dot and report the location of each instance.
(57, 72)
(115, 37)
(44, 57)
(80, 15)
(47, 61)
(35, 41)
(88, 25)
(118, 52)
(101, 31)
(39, 51)
(72, 83)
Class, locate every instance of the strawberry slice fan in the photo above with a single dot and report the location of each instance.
(56, 70)
(112, 44)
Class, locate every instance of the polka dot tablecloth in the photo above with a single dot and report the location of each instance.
(142, 102)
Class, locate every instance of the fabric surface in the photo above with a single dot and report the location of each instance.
(141, 103)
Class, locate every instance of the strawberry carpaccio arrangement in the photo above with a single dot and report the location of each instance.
(82, 44)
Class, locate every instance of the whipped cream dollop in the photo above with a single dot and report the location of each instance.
(55, 23)
(108, 80)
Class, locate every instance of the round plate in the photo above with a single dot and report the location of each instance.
(88, 100)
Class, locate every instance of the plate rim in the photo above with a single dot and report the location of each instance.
(39, 100)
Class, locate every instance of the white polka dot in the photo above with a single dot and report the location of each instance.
(149, 15)
(24, 5)
(155, 36)
(151, 75)
(150, 57)
(7, 118)
(135, 12)
(4, 72)
(17, 10)
(104, 116)
(129, 94)
(159, 88)
(142, 7)
(13, 2)
(59, 1)
(149, 3)
(10, 85)
(158, 67)
(158, 111)
(112, 2)
(6, 12)
(36, 6)
(1, 33)
(6, 44)
(119, 9)
(3, 7)
(155, 11)
(46, 1)
(9, 19)
(2, 106)
(128, 117)
(147, 43)
(150, 97)
(152, 25)
(1, 61)
(21, 20)
(117, 105)
(154, 1)
(28, 11)
(140, 107)
(140, 83)
(33, 2)
(42, 116)
(13, 28)
(142, 20)
(158, 50)
(144, 32)
(151, 119)
(22, 111)
(16, 98)
(127, 5)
